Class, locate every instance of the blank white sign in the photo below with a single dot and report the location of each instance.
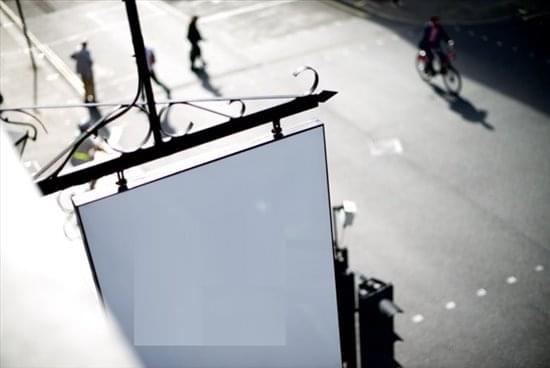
(227, 264)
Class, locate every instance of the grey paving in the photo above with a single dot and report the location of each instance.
(464, 206)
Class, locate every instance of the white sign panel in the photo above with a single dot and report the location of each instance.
(227, 264)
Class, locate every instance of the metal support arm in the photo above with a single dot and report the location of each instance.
(144, 155)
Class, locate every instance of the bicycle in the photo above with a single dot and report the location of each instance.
(441, 65)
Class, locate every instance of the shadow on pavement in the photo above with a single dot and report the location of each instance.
(202, 74)
(464, 108)
(508, 56)
(94, 115)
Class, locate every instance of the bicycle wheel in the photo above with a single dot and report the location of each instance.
(420, 64)
(452, 80)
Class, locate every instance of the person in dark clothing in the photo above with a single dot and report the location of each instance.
(194, 37)
(431, 40)
(84, 67)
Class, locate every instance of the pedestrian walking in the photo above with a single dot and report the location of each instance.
(151, 60)
(84, 68)
(194, 37)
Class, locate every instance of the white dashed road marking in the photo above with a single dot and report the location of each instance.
(539, 268)
(385, 147)
(481, 292)
(417, 318)
(450, 305)
(511, 280)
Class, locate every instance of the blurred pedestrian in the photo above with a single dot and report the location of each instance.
(84, 68)
(194, 37)
(151, 60)
(87, 149)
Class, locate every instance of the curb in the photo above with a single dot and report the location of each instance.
(378, 11)
(55, 61)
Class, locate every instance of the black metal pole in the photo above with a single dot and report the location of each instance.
(31, 54)
(143, 69)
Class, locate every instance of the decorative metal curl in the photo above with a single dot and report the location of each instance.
(22, 141)
(166, 110)
(315, 78)
(32, 136)
(140, 145)
(243, 105)
(21, 111)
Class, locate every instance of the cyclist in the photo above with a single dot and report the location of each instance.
(431, 42)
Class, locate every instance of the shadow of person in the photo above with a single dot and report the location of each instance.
(464, 108)
(94, 115)
(205, 81)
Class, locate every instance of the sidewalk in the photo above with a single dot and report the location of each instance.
(19, 90)
(464, 12)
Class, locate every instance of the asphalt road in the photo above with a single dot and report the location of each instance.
(453, 194)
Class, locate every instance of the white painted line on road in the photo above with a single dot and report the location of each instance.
(154, 10)
(481, 292)
(539, 268)
(51, 56)
(511, 280)
(450, 305)
(243, 10)
(110, 26)
(96, 19)
(385, 147)
(417, 318)
(7, 25)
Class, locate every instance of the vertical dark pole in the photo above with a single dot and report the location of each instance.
(29, 45)
(143, 70)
